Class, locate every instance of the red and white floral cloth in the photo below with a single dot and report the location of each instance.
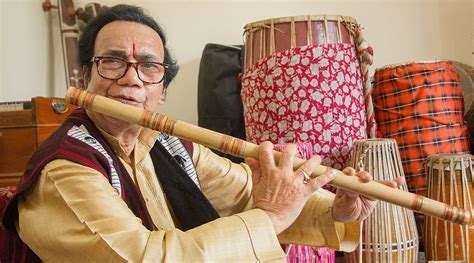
(312, 96)
(307, 94)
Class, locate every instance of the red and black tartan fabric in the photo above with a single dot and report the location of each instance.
(420, 105)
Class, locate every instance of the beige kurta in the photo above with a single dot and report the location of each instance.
(73, 214)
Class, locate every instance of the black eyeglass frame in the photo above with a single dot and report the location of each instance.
(97, 59)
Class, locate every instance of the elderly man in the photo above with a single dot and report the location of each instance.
(101, 189)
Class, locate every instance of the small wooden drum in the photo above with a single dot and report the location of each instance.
(450, 181)
(270, 36)
(389, 233)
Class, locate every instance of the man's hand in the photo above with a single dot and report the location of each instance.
(349, 206)
(280, 191)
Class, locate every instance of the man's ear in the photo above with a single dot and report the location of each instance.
(85, 76)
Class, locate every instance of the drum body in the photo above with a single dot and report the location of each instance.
(267, 37)
(311, 93)
(302, 84)
(420, 105)
(450, 181)
(389, 233)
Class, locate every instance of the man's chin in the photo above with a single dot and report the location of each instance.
(114, 125)
(114, 122)
(110, 124)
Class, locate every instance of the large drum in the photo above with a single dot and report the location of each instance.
(268, 37)
(389, 233)
(302, 84)
(450, 181)
(420, 105)
(304, 91)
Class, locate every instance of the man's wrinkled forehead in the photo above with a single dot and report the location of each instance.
(125, 53)
(129, 39)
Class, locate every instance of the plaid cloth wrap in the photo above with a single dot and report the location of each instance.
(420, 105)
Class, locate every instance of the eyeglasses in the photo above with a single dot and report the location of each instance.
(115, 68)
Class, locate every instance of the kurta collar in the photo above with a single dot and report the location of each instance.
(145, 141)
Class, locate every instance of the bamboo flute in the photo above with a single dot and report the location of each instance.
(241, 148)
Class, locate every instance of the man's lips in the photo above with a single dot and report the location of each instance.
(128, 101)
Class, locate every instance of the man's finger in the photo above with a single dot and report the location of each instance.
(253, 164)
(308, 167)
(364, 176)
(349, 171)
(288, 156)
(318, 182)
(265, 156)
(391, 183)
(400, 181)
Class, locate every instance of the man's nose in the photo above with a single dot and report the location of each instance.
(131, 76)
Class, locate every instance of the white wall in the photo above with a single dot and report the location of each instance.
(399, 30)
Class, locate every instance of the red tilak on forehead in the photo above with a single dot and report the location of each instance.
(133, 49)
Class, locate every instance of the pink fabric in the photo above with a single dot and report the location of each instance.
(307, 94)
(311, 96)
(299, 253)
(305, 150)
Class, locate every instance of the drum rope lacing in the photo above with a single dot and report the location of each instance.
(365, 53)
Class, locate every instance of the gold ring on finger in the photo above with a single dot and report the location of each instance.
(306, 177)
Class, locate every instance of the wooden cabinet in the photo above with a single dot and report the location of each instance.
(23, 128)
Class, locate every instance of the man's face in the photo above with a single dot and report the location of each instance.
(132, 42)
